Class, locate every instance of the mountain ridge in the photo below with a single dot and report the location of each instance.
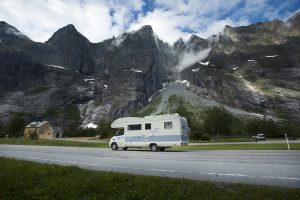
(118, 76)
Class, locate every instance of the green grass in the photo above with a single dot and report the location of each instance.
(44, 142)
(293, 146)
(28, 180)
(232, 139)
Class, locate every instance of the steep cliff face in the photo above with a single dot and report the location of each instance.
(115, 77)
(131, 66)
(254, 68)
(69, 44)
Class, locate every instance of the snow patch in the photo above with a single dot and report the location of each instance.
(195, 70)
(91, 125)
(56, 66)
(89, 79)
(251, 60)
(105, 86)
(204, 63)
(272, 56)
(137, 71)
(187, 83)
(235, 68)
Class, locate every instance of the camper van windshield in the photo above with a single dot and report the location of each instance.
(120, 132)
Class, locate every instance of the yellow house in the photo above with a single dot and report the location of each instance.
(43, 129)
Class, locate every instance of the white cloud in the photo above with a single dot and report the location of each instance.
(166, 24)
(39, 19)
(102, 19)
(217, 26)
(187, 59)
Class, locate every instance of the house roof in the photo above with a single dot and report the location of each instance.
(36, 124)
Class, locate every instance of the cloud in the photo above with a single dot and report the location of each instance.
(102, 19)
(187, 59)
(39, 19)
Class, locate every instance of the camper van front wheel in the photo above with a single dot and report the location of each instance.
(153, 147)
(114, 146)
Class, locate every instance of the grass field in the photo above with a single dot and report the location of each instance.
(237, 139)
(44, 142)
(233, 139)
(28, 180)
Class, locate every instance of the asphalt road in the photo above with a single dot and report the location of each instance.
(275, 168)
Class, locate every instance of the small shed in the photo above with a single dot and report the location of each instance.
(43, 129)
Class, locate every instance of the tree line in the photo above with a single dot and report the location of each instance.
(217, 122)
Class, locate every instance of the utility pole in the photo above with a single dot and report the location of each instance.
(287, 142)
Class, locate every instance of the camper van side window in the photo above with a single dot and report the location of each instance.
(168, 125)
(148, 126)
(135, 127)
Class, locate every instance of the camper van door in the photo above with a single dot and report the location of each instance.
(120, 138)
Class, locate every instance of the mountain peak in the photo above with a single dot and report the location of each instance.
(195, 39)
(146, 29)
(294, 20)
(68, 32)
(70, 27)
(7, 29)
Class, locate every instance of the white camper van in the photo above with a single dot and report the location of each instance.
(157, 132)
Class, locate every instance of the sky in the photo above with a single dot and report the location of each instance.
(170, 19)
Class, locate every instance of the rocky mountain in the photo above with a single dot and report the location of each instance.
(250, 69)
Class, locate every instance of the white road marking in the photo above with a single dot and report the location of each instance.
(151, 169)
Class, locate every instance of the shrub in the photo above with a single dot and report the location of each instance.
(15, 125)
(217, 120)
(33, 135)
(205, 137)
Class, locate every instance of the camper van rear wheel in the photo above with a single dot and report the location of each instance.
(153, 147)
(114, 146)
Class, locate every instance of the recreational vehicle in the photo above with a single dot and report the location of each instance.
(157, 132)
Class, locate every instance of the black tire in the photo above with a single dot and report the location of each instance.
(161, 148)
(125, 148)
(153, 147)
(114, 146)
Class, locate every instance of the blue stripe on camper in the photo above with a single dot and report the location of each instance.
(155, 138)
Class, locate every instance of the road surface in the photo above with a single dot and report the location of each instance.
(275, 168)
